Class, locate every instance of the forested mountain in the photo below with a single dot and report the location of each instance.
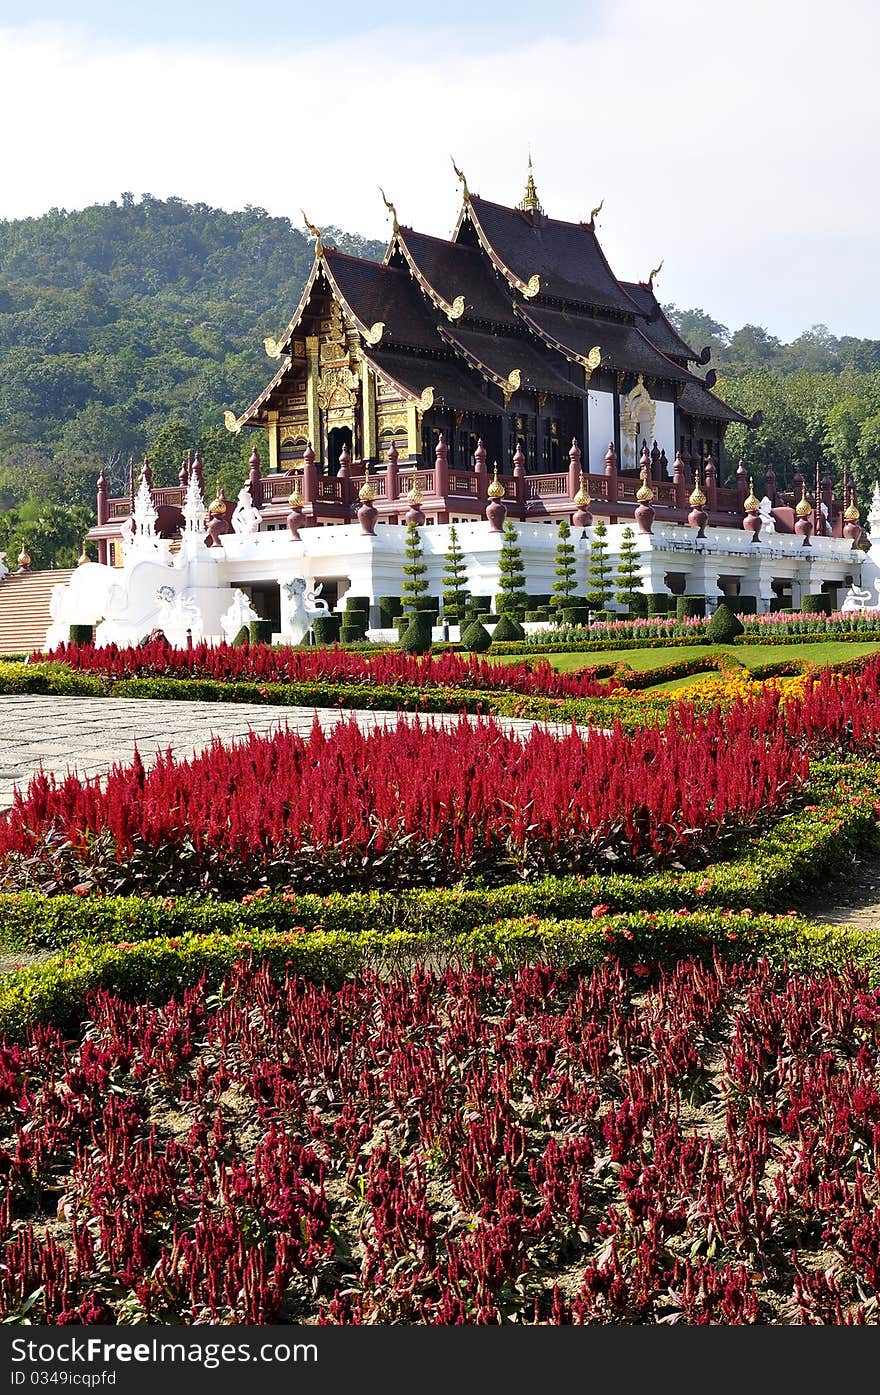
(131, 326)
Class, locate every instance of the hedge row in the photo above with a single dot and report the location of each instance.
(57, 991)
(769, 871)
(56, 680)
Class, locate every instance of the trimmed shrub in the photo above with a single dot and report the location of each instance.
(260, 632)
(480, 605)
(327, 628)
(416, 638)
(816, 603)
(357, 605)
(724, 627)
(743, 605)
(508, 629)
(658, 603)
(576, 614)
(686, 607)
(82, 634)
(389, 608)
(535, 616)
(476, 638)
(242, 638)
(778, 606)
(351, 634)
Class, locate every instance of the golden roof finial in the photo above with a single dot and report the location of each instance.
(596, 211)
(296, 499)
(414, 495)
(655, 272)
(316, 234)
(750, 503)
(367, 493)
(217, 508)
(582, 498)
(83, 556)
(851, 514)
(464, 186)
(530, 203)
(496, 488)
(391, 209)
(804, 508)
(24, 557)
(698, 498)
(645, 494)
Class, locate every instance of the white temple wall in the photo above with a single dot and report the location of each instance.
(664, 431)
(373, 566)
(600, 410)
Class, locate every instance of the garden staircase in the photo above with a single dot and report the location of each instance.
(24, 608)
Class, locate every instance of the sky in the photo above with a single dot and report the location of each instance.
(737, 142)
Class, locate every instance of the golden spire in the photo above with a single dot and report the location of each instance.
(23, 557)
(464, 186)
(530, 203)
(582, 498)
(391, 209)
(750, 503)
(851, 514)
(496, 488)
(316, 234)
(83, 556)
(415, 495)
(804, 508)
(698, 498)
(367, 493)
(296, 499)
(645, 494)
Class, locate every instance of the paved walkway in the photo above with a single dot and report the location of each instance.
(91, 734)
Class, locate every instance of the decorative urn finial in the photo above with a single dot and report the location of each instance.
(852, 526)
(610, 459)
(698, 517)
(582, 518)
(367, 513)
(752, 506)
(24, 561)
(496, 510)
(804, 511)
(296, 518)
(415, 513)
(84, 557)
(644, 513)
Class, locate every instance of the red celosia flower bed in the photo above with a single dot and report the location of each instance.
(471, 1148)
(406, 805)
(265, 663)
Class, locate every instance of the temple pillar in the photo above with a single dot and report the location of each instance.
(412, 431)
(368, 412)
(312, 407)
(273, 434)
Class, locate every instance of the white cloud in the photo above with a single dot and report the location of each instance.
(737, 142)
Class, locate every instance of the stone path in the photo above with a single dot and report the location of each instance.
(91, 734)
(852, 900)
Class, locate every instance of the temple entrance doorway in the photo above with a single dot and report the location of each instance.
(338, 437)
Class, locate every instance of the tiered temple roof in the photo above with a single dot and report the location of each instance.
(514, 301)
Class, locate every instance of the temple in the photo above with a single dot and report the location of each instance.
(503, 373)
(516, 333)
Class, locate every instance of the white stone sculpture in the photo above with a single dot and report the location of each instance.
(768, 522)
(299, 607)
(857, 598)
(4, 570)
(178, 614)
(240, 613)
(195, 511)
(874, 516)
(245, 518)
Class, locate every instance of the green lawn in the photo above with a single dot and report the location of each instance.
(831, 652)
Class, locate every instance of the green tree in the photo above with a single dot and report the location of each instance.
(455, 593)
(565, 585)
(52, 534)
(629, 570)
(599, 568)
(511, 598)
(415, 571)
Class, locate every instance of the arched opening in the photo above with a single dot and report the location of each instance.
(338, 437)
